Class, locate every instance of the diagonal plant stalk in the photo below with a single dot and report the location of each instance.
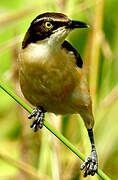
(23, 167)
(50, 128)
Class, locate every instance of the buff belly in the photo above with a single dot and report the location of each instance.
(49, 84)
(51, 89)
(54, 82)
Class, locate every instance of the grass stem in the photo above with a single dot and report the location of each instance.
(50, 128)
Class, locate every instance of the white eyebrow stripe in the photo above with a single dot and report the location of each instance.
(48, 19)
(38, 20)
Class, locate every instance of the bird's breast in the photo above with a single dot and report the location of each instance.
(47, 78)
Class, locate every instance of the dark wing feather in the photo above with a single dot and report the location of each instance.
(69, 47)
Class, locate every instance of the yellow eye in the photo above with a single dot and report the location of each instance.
(48, 25)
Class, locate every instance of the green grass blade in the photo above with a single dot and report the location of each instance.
(50, 128)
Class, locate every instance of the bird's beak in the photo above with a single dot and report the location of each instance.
(77, 24)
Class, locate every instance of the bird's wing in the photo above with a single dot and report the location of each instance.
(69, 47)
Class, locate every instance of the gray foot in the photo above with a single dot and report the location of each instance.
(38, 114)
(90, 165)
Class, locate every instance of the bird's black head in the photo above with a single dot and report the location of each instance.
(47, 24)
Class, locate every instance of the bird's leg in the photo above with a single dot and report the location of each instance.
(91, 163)
(38, 114)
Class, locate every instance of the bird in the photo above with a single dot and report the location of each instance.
(52, 76)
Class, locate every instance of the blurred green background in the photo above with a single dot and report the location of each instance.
(26, 155)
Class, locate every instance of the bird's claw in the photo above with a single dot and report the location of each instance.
(90, 165)
(38, 114)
